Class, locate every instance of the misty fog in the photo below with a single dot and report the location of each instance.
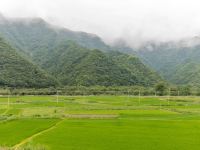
(134, 21)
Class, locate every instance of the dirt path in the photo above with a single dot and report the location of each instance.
(91, 116)
(17, 146)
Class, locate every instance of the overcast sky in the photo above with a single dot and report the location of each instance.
(132, 20)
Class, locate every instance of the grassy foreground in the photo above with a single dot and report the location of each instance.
(99, 123)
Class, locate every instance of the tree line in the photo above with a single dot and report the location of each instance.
(160, 89)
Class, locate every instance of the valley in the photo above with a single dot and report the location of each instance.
(63, 89)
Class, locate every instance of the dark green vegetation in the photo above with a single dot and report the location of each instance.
(75, 65)
(16, 71)
(100, 122)
(74, 58)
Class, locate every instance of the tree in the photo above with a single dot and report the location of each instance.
(185, 90)
(160, 88)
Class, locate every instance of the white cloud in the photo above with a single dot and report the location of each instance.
(133, 20)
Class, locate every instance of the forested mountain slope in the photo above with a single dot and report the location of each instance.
(74, 58)
(15, 71)
(72, 64)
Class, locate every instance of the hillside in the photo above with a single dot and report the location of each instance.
(145, 75)
(72, 64)
(15, 71)
(187, 73)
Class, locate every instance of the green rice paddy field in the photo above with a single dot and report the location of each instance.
(99, 123)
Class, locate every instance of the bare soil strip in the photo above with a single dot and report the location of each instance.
(91, 116)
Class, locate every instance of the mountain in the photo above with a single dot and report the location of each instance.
(73, 64)
(187, 73)
(144, 74)
(15, 71)
(177, 62)
(74, 58)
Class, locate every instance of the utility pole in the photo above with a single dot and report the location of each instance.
(139, 97)
(57, 96)
(128, 99)
(160, 104)
(8, 100)
(169, 95)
